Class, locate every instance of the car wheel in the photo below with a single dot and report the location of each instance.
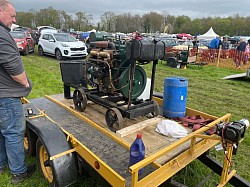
(40, 50)
(27, 50)
(58, 55)
(171, 62)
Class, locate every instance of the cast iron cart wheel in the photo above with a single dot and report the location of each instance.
(114, 119)
(156, 109)
(44, 162)
(80, 99)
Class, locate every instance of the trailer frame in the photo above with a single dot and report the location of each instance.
(155, 174)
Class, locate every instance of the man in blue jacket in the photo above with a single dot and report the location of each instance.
(215, 43)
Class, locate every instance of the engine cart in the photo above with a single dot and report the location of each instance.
(113, 77)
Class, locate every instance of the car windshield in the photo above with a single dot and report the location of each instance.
(18, 35)
(169, 41)
(65, 38)
(187, 42)
(21, 29)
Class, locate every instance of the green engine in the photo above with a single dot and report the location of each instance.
(108, 69)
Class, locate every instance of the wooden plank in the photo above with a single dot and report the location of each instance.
(138, 126)
(236, 76)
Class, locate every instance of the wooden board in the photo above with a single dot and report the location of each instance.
(236, 76)
(138, 126)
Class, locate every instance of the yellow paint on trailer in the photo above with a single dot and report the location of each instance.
(199, 144)
(184, 158)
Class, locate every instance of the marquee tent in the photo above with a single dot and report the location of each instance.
(209, 35)
(14, 26)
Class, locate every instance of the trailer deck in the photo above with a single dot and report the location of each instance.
(94, 142)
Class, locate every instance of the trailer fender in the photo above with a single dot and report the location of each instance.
(61, 171)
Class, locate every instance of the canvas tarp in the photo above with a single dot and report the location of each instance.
(209, 35)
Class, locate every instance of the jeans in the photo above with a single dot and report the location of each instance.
(12, 129)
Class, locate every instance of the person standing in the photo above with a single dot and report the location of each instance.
(247, 52)
(214, 48)
(14, 84)
(215, 43)
(240, 53)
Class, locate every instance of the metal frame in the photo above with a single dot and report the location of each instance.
(199, 144)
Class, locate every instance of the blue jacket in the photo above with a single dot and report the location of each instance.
(214, 44)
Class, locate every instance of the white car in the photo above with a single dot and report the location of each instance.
(61, 45)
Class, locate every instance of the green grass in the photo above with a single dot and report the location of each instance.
(207, 92)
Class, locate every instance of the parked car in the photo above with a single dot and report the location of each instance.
(188, 43)
(169, 42)
(26, 29)
(184, 45)
(43, 29)
(61, 45)
(24, 41)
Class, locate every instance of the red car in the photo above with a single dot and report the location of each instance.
(24, 41)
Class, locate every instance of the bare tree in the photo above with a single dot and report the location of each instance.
(107, 21)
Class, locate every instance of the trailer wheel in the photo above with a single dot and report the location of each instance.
(114, 119)
(44, 163)
(30, 142)
(80, 99)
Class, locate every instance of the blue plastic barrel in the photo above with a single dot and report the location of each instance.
(174, 97)
(137, 152)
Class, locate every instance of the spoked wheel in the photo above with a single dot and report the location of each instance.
(80, 100)
(114, 119)
(44, 162)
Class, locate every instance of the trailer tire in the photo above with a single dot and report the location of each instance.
(44, 164)
(59, 171)
(30, 142)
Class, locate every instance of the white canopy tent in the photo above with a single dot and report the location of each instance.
(209, 35)
(14, 26)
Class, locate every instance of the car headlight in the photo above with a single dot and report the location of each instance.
(18, 43)
(64, 45)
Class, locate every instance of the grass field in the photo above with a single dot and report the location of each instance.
(207, 92)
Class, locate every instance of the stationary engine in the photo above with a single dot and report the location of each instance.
(112, 77)
(108, 69)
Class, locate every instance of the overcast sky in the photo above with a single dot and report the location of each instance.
(190, 8)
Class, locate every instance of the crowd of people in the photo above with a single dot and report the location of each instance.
(242, 49)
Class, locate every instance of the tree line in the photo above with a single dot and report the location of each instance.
(150, 22)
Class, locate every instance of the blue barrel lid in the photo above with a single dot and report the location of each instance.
(176, 81)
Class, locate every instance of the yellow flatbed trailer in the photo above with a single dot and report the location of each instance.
(65, 140)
